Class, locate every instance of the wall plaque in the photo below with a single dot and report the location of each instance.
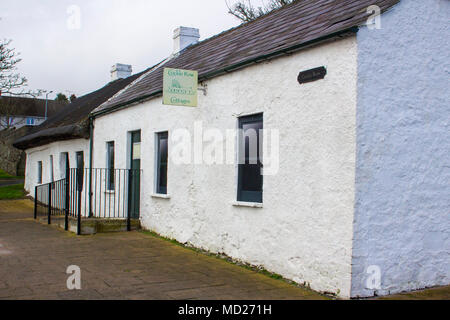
(312, 75)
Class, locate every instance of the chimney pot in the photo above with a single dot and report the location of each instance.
(183, 37)
(120, 71)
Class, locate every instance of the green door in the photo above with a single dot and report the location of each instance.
(134, 175)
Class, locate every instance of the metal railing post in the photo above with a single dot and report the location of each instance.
(128, 220)
(91, 213)
(130, 174)
(35, 202)
(67, 200)
(79, 214)
(79, 186)
(49, 203)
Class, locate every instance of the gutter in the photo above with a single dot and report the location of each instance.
(237, 66)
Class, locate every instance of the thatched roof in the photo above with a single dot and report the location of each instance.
(29, 107)
(72, 121)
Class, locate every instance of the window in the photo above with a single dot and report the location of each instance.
(161, 162)
(64, 164)
(80, 160)
(39, 172)
(110, 164)
(51, 169)
(80, 171)
(30, 121)
(250, 179)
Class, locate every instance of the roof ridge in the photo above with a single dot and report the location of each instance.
(243, 24)
(137, 80)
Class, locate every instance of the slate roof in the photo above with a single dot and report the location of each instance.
(30, 107)
(72, 122)
(289, 29)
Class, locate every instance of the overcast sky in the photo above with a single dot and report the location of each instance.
(63, 55)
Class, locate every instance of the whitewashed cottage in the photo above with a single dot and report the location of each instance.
(354, 199)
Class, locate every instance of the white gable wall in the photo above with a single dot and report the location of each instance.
(304, 230)
(402, 225)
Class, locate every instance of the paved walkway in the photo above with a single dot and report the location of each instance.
(34, 259)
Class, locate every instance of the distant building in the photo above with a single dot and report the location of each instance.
(17, 112)
(18, 117)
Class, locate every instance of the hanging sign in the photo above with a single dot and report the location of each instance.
(180, 87)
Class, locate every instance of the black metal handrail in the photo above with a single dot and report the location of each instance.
(90, 193)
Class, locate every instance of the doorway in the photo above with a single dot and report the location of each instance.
(134, 175)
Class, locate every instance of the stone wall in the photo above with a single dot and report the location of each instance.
(12, 160)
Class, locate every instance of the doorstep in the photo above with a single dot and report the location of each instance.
(91, 226)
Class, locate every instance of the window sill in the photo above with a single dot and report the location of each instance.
(160, 196)
(248, 204)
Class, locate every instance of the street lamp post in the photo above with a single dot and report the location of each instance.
(46, 103)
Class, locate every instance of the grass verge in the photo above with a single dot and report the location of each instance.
(12, 192)
(6, 176)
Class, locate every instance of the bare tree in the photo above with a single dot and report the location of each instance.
(11, 83)
(245, 11)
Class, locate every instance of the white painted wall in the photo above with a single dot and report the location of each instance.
(43, 154)
(304, 231)
(402, 208)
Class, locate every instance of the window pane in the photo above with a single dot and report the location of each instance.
(39, 172)
(80, 171)
(251, 133)
(80, 160)
(250, 179)
(64, 164)
(110, 164)
(51, 169)
(162, 163)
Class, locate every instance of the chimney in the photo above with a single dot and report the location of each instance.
(183, 37)
(120, 71)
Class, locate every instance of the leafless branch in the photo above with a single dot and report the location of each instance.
(245, 11)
